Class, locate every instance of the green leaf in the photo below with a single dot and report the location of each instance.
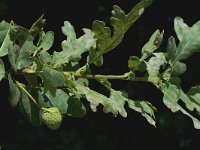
(118, 100)
(83, 81)
(13, 52)
(175, 80)
(154, 64)
(22, 38)
(46, 42)
(196, 122)
(59, 100)
(69, 80)
(188, 103)
(18, 35)
(194, 96)
(4, 28)
(171, 49)
(171, 96)
(189, 42)
(69, 105)
(188, 37)
(69, 32)
(115, 103)
(24, 59)
(134, 63)
(145, 108)
(15, 93)
(178, 68)
(2, 70)
(75, 108)
(39, 94)
(52, 78)
(107, 39)
(37, 26)
(92, 96)
(153, 44)
(96, 98)
(30, 111)
(93, 53)
(105, 82)
(5, 45)
(73, 48)
(45, 57)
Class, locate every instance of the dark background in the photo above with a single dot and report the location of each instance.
(98, 130)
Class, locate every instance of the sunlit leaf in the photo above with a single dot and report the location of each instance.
(46, 41)
(107, 39)
(153, 44)
(92, 96)
(115, 103)
(194, 96)
(171, 96)
(189, 42)
(82, 81)
(73, 47)
(145, 108)
(153, 66)
(4, 28)
(188, 103)
(5, 45)
(118, 100)
(96, 98)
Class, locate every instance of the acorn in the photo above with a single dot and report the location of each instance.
(52, 117)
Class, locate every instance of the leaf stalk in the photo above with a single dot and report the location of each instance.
(29, 95)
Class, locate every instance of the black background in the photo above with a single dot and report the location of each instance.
(98, 130)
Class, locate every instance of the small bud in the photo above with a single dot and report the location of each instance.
(52, 117)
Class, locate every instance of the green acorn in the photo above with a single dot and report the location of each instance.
(52, 117)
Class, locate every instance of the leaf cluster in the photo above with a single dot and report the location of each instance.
(57, 81)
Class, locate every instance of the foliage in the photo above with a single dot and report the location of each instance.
(57, 84)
